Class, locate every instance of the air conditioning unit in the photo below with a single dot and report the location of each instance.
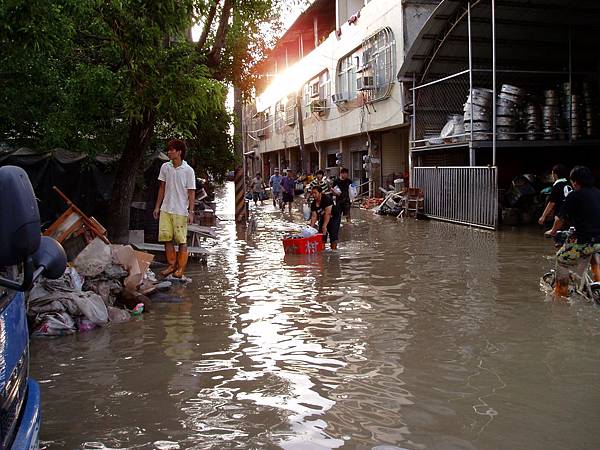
(314, 89)
(318, 106)
(365, 84)
(338, 98)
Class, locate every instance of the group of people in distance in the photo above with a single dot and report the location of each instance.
(328, 199)
(574, 201)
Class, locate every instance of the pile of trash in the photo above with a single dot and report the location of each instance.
(101, 277)
(370, 203)
(392, 205)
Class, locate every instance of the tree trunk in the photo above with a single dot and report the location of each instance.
(140, 134)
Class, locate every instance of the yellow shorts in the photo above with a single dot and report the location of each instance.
(172, 227)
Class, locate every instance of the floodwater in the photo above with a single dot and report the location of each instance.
(416, 335)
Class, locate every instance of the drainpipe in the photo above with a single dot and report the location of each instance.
(471, 148)
(494, 81)
(304, 163)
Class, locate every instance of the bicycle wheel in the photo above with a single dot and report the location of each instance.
(595, 289)
(549, 278)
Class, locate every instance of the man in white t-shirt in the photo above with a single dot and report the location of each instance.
(175, 206)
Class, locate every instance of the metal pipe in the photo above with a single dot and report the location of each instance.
(471, 149)
(414, 132)
(494, 82)
(570, 109)
(439, 80)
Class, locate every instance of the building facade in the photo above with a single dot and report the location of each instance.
(331, 83)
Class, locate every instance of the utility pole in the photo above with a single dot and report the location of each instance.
(239, 174)
(304, 162)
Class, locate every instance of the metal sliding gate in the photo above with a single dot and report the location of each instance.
(467, 195)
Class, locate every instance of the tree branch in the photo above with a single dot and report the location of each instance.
(214, 56)
(209, 20)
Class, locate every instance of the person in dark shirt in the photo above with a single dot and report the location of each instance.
(581, 209)
(325, 213)
(342, 199)
(287, 185)
(560, 189)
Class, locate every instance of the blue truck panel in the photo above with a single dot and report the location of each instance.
(20, 397)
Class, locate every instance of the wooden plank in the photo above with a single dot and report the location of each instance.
(202, 231)
(160, 248)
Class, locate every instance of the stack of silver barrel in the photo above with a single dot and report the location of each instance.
(480, 102)
(564, 114)
(532, 120)
(551, 115)
(509, 103)
(577, 111)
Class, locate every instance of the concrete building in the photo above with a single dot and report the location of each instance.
(336, 68)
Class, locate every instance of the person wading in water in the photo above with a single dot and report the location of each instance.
(175, 207)
(327, 215)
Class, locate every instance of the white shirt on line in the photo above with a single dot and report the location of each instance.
(178, 180)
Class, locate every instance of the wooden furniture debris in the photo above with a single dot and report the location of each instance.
(414, 202)
(73, 222)
(197, 233)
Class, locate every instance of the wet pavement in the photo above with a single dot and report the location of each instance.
(413, 335)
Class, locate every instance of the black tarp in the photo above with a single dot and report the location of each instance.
(86, 180)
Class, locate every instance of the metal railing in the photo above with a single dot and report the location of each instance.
(466, 195)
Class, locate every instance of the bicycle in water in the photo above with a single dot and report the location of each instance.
(580, 277)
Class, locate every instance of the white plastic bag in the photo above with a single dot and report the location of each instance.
(307, 232)
(93, 259)
(92, 307)
(352, 192)
(55, 324)
(306, 211)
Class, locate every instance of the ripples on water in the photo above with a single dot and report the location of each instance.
(413, 335)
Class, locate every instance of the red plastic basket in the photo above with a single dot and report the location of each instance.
(304, 246)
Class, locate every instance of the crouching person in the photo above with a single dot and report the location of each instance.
(326, 214)
(175, 207)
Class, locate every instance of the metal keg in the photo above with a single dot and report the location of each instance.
(512, 90)
(483, 92)
(509, 97)
(532, 135)
(479, 101)
(503, 134)
(505, 111)
(477, 116)
(479, 136)
(476, 109)
(478, 126)
(505, 121)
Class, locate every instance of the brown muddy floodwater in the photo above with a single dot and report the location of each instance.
(416, 335)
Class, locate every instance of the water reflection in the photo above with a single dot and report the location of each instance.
(413, 335)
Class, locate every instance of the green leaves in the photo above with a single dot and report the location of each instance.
(81, 73)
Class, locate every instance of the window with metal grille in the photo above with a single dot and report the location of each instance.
(325, 87)
(317, 94)
(279, 117)
(290, 111)
(378, 65)
(346, 78)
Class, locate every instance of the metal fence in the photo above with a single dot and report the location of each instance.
(467, 195)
